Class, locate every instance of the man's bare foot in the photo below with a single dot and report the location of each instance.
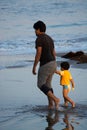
(66, 104)
(50, 107)
(57, 103)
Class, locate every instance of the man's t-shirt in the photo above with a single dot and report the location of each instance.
(47, 45)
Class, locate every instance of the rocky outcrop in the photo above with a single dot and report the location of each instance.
(79, 56)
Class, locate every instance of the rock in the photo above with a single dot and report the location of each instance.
(73, 54)
(78, 56)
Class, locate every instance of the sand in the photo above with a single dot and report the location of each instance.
(24, 107)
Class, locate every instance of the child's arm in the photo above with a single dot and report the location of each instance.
(58, 72)
(72, 83)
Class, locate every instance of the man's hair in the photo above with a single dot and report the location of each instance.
(65, 65)
(40, 25)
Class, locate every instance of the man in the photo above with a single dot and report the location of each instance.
(45, 54)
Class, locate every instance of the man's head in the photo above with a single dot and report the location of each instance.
(39, 27)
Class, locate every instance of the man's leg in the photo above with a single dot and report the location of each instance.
(54, 98)
(50, 101)
(48, 92)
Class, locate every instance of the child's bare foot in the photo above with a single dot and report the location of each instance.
(73, 105)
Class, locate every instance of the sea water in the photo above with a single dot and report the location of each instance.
(66, 22)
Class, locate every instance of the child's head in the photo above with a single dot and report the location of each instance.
(65, 65)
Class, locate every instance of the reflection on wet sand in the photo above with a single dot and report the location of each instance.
(43, 118)
(52, 118)
(63, 119)
(68, 124)
(68, 120)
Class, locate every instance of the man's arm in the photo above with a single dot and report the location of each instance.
(37, 58)
(54, 53)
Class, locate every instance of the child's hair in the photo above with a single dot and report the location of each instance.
(40, 25)
(65, 65)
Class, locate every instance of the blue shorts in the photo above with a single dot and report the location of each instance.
(65, 86)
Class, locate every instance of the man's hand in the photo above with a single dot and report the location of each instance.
(37, 59)
(34, 70)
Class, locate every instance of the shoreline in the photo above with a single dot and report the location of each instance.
(17, 61)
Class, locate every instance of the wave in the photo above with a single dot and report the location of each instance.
(67, 25)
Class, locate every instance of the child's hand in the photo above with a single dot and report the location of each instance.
(73, 88)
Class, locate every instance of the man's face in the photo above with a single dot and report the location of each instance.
(37, 32)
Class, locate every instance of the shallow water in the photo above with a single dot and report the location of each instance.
(39, 117)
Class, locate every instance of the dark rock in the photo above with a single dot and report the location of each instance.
(73, 54)
(78, 56)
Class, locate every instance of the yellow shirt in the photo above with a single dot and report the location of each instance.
(65, 77)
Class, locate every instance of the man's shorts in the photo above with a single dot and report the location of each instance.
(46, 89)
(45, 74)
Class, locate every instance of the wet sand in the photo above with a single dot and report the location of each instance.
(24, 107)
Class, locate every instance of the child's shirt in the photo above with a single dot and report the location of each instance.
(65, 77)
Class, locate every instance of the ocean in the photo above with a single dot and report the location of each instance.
(66, 23)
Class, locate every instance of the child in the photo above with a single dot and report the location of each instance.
(65, 81)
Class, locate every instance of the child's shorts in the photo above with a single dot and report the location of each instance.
(67, 87)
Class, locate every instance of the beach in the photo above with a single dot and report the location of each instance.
(23, 106)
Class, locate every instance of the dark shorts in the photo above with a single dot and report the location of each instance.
(46, 89)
